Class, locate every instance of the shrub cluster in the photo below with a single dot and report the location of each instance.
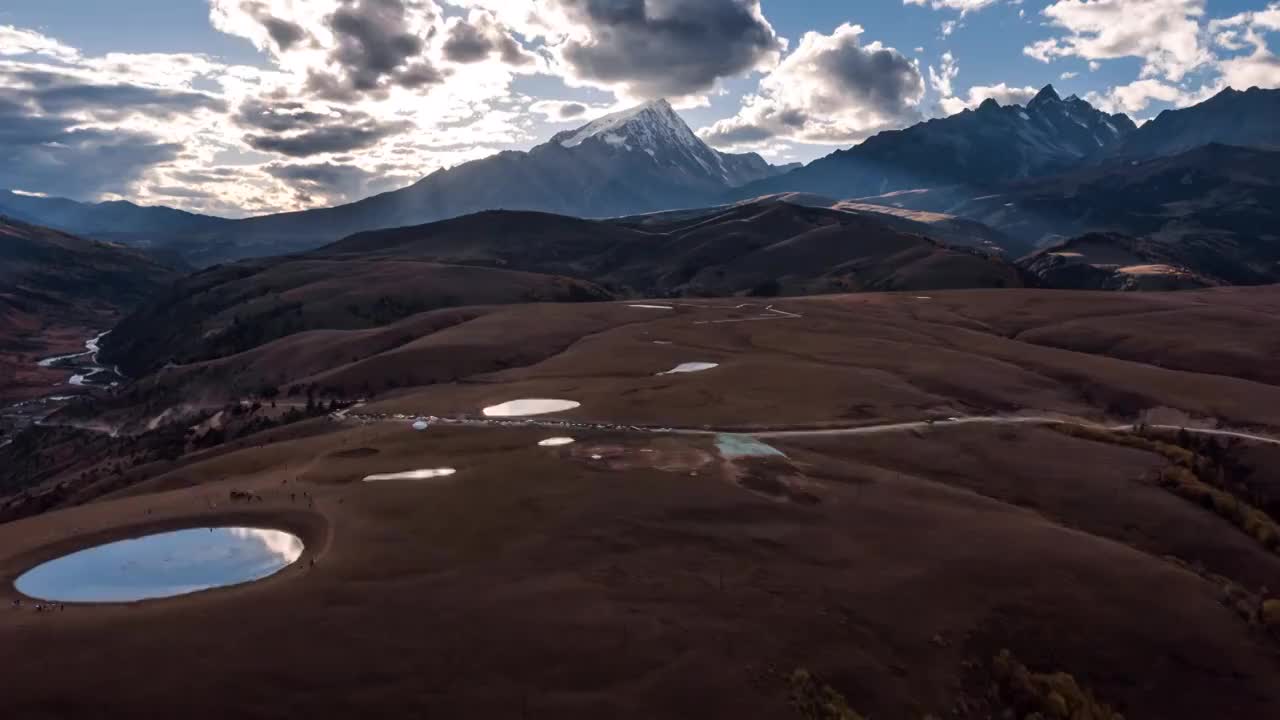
(1045, 696)
(1188, 477)
(815, 701)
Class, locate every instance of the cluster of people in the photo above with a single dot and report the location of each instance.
(239, 496)
(40, 607)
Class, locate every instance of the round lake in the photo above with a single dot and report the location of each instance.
(162, 565)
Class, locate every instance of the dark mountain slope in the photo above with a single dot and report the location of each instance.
(226, 310)
(639, 160)
(56, 277)
(1108, 261)
(1213, 211)
(1246, 119)
(755, 246)
(57, 289)
(108, 220)
(975, 148)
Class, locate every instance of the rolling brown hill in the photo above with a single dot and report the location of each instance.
(230, 309)
(768, 248)
(636, 568)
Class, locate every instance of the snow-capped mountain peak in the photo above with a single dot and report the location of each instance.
(644, 127)
(656, 130)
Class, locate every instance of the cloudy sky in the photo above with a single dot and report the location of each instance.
(241, 107)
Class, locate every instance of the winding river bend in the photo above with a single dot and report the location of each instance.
(85, 372)
(84, 365)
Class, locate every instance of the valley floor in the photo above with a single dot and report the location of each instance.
(920, 515)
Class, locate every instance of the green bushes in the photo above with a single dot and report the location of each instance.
(1045, 696)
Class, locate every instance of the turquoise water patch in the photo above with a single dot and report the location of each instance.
(736, 446)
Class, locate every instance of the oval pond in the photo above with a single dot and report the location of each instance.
(162, 565)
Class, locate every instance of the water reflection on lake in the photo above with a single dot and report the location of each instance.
(163, 565)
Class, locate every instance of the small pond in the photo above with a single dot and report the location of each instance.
(423, 474)
(740, 446)
(163, 565)
(691, 367)
(530, 406)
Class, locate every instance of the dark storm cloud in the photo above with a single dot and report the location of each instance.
(49, 154)
(830, 89)
(280, 116)
(292, 130)
(336, 182)
(208, 175)
(319, 140)
(883, 79)
(285, 33)
(179, 191)
(684, 50)
(572, 110)
(370, 41)
(58, 94)
(44, 146)
(373, 52)
(476, 38)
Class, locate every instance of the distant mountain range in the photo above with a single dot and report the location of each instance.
(978, 148)
(640, 160)
(1212, 213)
(647, 159)
(165, 231)
(1246, 119)
(51, 274)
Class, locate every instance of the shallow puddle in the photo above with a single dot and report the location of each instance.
(557, 441)
(425, 474)
(736, 446)
(530, 406)
(652, 307)
(162, 565)
(690, 367)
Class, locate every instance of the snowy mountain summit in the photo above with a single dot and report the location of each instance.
(656, 130)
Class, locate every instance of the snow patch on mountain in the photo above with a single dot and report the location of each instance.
(655, 129)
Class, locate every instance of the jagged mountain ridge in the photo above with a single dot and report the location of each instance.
(1232, 117)
(980, 148)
